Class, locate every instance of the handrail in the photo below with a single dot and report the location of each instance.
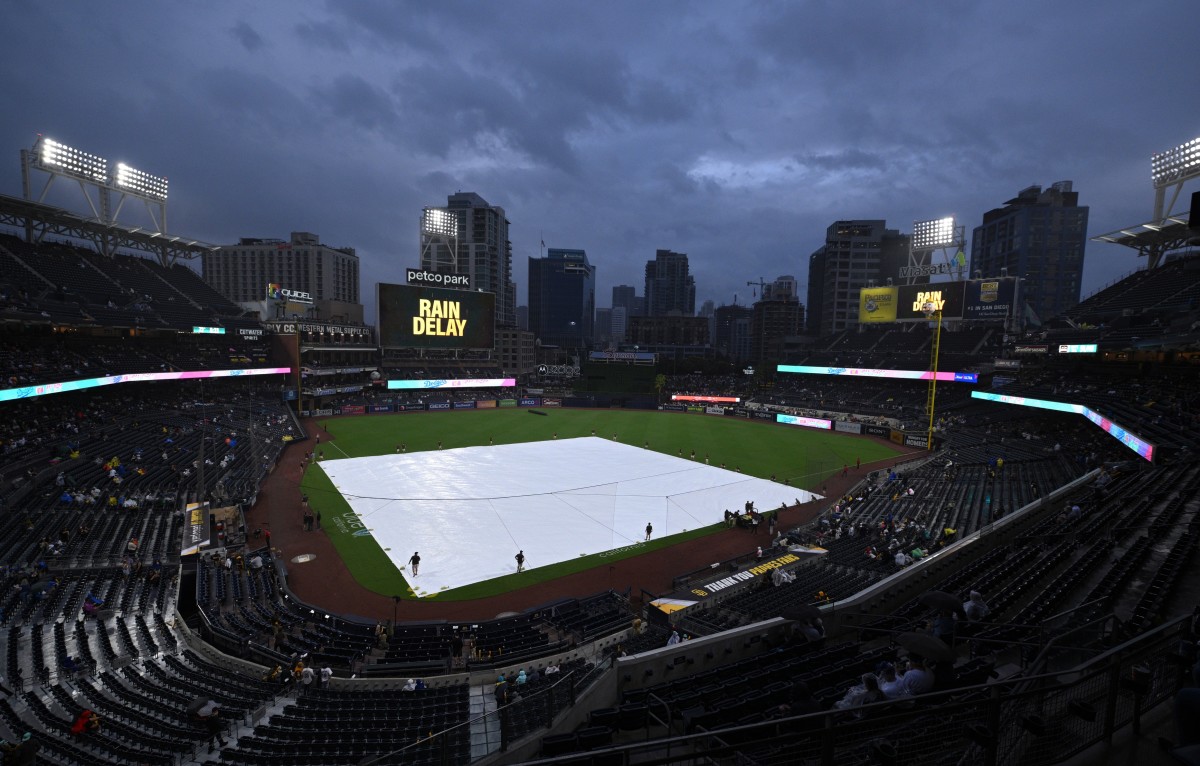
(380, 759)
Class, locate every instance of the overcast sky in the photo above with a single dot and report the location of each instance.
(733, 132)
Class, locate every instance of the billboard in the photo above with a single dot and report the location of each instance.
(945, 296)
(412, 316)
(877, 304)
(1143, 448)
(713, 399)
(797, 420)
(989, 298)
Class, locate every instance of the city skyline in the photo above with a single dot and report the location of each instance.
(734, 133)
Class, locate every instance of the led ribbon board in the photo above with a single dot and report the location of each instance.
(796, 420)
(45, 389)
(1144, 448)
(948, 377)
(460, 383)
(714, 399)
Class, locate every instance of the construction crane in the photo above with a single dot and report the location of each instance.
(761, 285)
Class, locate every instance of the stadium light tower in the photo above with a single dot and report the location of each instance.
(928, 237)
(1172, 168)
(439, 234)
(90, 171)
(1168, 230)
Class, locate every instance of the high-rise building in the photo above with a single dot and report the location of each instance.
(469, 236)
(300, 264)
(670, 289)
(856, 253)
(603, 331)
(620, 323)
(562, 298)
(731, 334)
(1038, 236)
(816, 291)
(775, 318)
(625, 296)
(523, 317)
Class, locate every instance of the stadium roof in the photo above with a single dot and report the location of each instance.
(1152, 239)
(37, 220)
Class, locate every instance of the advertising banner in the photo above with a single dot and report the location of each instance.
(354, 409)
(989, 298)
(464, 405)
(713, 399)
(877, 304)
(762, 415)
(674, 407)
(797, 420)
(715, 410)
(847, 427)
(1008, 364)
(507, 402)
(877, 430)
(916, 440)
(457, 383)
(438, 405)
(695, 409)
(485, 404)
(740, 412)
(381, 408)
(945, 296)
(322, 413)
(410, 407)
(896, 436)
(1031, 349)
(552, 402)
(290, 395)
(529, 402)
(196, 528)
(412, 316)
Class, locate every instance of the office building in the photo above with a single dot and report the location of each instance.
(856, 254)
(562, 299)
(670, 289)
(323, 279)
(1039, 236)
(470, 237)
(731, 332)
(775, 318)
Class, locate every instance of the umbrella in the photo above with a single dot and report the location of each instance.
(800, 613)
(939, 599)
(927, 646)
(195, 706)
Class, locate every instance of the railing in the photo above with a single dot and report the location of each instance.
(1043, 719)
(499, 728)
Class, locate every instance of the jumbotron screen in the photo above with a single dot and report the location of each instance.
(415, 316)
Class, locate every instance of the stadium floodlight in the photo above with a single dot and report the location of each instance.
(930, 235)
(143, 184)
(70, 161)
(1176, 165)
(440, 222)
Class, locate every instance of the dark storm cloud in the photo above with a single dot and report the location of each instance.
(735, 132)
(247, 36)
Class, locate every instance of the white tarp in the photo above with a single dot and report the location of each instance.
(468, 511)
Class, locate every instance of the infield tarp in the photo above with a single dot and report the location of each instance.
(468, 511)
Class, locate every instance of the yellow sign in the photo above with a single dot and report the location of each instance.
(877, 304)
(439, 318)
(931, 300)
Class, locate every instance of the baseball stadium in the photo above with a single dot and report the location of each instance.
(237, 532)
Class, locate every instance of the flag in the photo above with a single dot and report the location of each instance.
(543, 244)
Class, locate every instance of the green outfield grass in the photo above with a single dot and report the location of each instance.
(804, 457)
